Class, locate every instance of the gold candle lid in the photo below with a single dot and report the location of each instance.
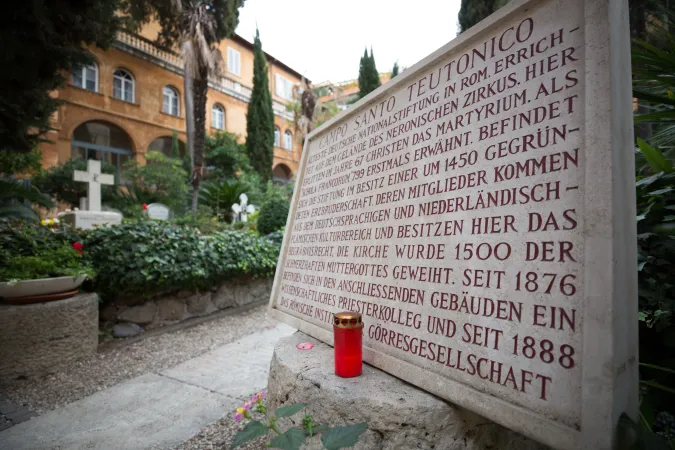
(347, 319)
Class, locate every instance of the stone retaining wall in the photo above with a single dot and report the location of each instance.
(399, 415)
(36, 339)
(174, 307)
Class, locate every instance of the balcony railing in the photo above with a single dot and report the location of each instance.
(151, 49)
(174, 61)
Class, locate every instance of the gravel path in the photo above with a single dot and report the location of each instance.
(150, 355)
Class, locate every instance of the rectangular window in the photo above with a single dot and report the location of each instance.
(233, 61)
(86, 77)
(117, 88)
(91, 79)
(284, 87)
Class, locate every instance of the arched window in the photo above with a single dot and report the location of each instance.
(86, 77)
(101, 141)
(288, 140)
(165, 144)
(170, 105)
(282, 174)
(277, 137)
(123, 86)
(218, 117)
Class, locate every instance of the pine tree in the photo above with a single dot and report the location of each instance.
(394, 70)
(260, 117)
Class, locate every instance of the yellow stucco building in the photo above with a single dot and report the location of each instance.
(131, 100)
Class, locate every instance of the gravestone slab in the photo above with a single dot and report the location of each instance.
(158, 211)
(479, 212)
(88, 220)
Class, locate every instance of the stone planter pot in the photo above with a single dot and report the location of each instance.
(41, 290)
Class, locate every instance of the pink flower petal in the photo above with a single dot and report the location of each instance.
(305, 346)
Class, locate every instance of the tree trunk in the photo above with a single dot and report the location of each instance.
(200, 88)
(189, 119)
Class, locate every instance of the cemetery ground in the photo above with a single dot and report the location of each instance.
(232, 351)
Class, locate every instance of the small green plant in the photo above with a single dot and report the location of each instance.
(293, 438)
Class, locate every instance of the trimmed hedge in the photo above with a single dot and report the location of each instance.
(148, 256)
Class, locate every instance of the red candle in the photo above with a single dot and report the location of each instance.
(348, 333)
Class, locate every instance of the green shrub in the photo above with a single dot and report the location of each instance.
(220, 195)
(14, 163)
(225, 157)
(160, 180)
(30, 251)
(145, 257)
(273, 215)
(204, 221)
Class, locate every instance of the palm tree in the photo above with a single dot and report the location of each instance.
(201, 59)
(196, 26)
(309, 114)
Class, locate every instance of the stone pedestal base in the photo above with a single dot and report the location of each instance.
(399, 416)
(36, 339)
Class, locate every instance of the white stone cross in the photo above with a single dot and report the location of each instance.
(95, 178)
(243, 209)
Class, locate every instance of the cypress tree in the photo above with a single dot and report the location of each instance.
(260, 117)
(369, 78)
(394, 70)
(473, 11)
(374, 74)
(363, 77)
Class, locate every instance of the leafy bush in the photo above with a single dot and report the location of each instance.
(273, 215)
(13, 163)
(16, 195)
(220, 195)
(63, 261)
(58, 182)
(160, 180)
(204, 221)
(225, 157)
(653, 85)
(148, 256)
(29, 251)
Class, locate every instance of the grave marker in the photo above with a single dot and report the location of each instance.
(479, 211)
(93, 216)
(158, 211)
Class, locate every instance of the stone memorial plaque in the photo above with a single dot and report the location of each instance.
(158, 211)
(479, 212)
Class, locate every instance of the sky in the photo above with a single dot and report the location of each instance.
(324, 40)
